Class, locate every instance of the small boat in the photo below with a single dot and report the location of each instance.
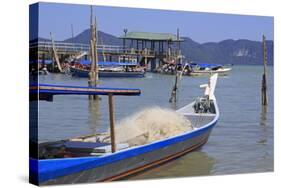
(199, 69)
(109, 69)
(89, 158)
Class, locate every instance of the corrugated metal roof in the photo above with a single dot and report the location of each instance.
(150, 36)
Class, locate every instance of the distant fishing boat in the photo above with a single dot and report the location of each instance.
(109, 69)
(89, 158)
(199, 69)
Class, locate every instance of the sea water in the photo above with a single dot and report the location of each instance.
(241, 142)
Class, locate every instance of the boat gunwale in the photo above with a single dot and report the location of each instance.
(224, 70)
(102, 72)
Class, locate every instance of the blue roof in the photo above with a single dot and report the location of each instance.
(109, 63)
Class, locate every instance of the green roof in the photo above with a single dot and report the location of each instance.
(150, 36)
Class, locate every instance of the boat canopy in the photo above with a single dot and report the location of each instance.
(109, 63)
(46, 91)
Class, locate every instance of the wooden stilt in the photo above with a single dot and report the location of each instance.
(177, 59)
(264, 97)
(111, 119)
(93, 74)
(173, 98)
(145, 58)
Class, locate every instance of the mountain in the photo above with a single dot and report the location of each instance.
(225, 52)
(103, 38)
(41, 39)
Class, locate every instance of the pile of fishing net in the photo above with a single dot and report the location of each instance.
(150, 125)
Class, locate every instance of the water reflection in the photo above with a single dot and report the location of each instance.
(243, 127)
(196, 163)
(263, 126)
(94, 115)
(173, 105)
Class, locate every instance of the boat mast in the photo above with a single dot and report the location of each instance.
(93, 74)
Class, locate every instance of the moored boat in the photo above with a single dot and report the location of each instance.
(199, 69)
(109, 69)
(89, 158)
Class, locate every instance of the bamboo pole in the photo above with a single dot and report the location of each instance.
(93, 74)
(96, 53)
(55, 53)
(72, 37)
(173, 98)
(145, 58)
(111, 119)
(264, 97)
(72, 34)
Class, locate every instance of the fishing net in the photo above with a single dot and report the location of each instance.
(150, 125)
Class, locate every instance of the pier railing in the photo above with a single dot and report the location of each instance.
(61, 47)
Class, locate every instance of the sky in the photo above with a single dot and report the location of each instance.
(201, 27)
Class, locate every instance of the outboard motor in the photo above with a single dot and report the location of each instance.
(202, 105)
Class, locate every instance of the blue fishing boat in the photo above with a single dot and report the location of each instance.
(109, 69)
(199, 69)
(90, 159)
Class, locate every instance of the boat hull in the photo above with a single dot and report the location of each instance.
(120, 164)
(221, 72)
(85, 73)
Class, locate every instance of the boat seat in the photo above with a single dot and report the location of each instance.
(107, 148)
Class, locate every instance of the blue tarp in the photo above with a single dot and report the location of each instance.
(47, 61)
(108, 63)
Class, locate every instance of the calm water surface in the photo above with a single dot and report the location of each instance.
(242, 141)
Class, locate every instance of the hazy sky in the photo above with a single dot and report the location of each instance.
(201, 27)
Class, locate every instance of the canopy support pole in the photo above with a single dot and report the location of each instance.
(111, 119)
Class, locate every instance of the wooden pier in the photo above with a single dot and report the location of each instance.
(147, 48)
